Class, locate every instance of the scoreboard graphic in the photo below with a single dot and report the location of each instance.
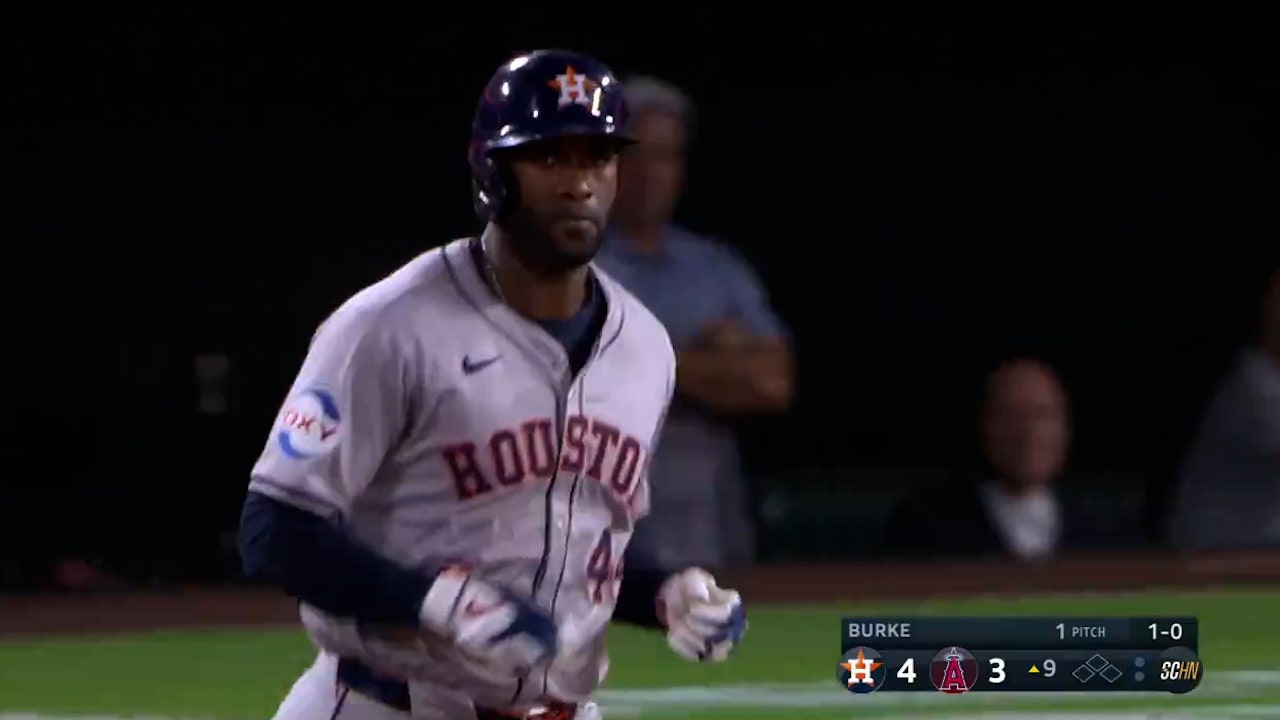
(956, 655)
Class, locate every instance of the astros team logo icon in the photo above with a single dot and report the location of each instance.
(310, 424)
(574, 87)
(954, 671)
(862, 671)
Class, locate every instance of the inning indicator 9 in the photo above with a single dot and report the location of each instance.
(957, 655)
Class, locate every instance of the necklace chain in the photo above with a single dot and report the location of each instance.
(491, 270)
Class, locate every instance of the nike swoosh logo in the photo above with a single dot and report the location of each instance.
(471, 367)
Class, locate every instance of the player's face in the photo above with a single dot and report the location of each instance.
(567, 188)
(651, 174)
(1027, 428)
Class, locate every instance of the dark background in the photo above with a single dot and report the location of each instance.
(922, 196)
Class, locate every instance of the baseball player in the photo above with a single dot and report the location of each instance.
(453, 480)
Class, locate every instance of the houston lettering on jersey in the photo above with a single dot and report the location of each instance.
(591, 446)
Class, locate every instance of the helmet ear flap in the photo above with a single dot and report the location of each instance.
(497, 196)
(508, 190)
(481, 201)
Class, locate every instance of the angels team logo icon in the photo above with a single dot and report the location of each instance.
(574, 87)
(862, 671)
(954, 671)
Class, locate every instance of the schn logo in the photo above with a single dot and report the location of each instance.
(574, 88)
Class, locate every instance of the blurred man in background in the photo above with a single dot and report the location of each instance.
(733, 356)
(1012, 509)
(1229, 489)
(28, 574)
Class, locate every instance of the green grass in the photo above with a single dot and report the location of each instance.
(241, 674)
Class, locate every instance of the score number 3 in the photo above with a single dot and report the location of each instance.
(908, 671)
(997, 671)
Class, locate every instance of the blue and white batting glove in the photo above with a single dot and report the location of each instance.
(704, 621)
(505, 633)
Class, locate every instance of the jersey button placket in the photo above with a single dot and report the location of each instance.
(566, 481)
(562, 493)
(557, 573)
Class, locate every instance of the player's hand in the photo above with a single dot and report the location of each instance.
(704, 621)
(505, 632)
(727, 334)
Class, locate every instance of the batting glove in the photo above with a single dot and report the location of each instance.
(507, 633)
(704, 621)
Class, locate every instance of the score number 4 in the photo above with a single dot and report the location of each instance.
(908, 670)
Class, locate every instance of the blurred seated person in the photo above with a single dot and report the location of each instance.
(61, 575)
(733, 356)
(1011, 509)
(79, 575)
(44, 548)
(1229, 485)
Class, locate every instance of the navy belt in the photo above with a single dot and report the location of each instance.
(366, 681)
(395, 693)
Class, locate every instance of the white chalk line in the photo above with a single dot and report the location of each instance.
(1232, 689)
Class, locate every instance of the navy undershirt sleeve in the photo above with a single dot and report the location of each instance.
(315, 561)
(638, 599)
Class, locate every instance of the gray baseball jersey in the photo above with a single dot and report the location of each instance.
(440, 427)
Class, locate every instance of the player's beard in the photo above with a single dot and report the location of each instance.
(532, 239)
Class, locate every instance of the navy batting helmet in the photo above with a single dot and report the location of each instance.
(540, 95)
